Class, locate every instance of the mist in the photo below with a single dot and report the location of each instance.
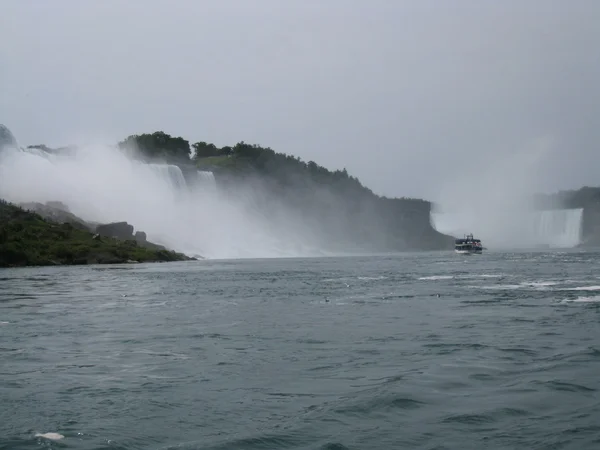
(102, 184)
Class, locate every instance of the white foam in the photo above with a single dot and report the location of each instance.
(51, 436)
(437, 277)
(536, 285)
(586, 288)
(463, 277)
(582, 288)
(595, 299)
(499, 287)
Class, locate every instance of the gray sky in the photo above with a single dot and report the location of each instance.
(398, 92)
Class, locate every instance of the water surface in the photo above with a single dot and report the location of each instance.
(423, 351)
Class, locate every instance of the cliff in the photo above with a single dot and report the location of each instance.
(335, 202)
(334, 205)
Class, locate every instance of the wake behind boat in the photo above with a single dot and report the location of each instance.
(468, 245)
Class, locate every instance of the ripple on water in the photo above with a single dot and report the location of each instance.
(556, 385)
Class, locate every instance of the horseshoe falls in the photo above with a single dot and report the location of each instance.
(556, 228)
(559, 228)
(182, 210)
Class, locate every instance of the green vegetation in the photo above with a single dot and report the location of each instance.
(27, 239)
(159, 145)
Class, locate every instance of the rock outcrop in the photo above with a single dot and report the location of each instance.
(140, 237)
(118, 230)
(125, 232)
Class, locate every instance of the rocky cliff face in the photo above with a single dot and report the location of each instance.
(590, 233)
(118, 230)
(125, 231)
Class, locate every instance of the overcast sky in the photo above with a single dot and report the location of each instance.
(401, 93)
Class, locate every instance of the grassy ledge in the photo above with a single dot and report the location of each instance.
(27, 239)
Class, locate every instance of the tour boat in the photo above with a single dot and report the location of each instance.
(468, 245)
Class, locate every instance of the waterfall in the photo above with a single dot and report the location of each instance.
(206, 180)
(559, 228)
(174, 177)
(170, 174)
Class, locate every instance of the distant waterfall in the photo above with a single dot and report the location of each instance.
(559, 228)
(174, 176)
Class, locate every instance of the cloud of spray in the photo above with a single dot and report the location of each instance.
(494, 199)
(103, 184)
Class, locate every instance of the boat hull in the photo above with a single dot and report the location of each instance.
(469, 252)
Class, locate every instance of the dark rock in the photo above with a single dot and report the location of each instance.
(140, 237)
(124, 231)
(119, 230)
(590, 230)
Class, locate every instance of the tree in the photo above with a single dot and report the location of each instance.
(204, 150)
(159, 145)
(243, 150)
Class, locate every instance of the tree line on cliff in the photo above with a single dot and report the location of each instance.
(244, 157)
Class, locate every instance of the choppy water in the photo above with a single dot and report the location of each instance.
(427, 351)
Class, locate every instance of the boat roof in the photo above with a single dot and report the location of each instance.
(466, 240)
